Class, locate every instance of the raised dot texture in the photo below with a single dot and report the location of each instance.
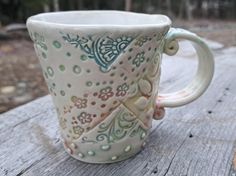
(91, 153)
(114, 158)
(77, 69)
(62, 67)
(68, 54)
(62, 92)
(73, 145)
(56, 44)
(128, 148)
(83, 57)
(81, 155)
(69, 150)
(89, 83)
(143, 135)
(141, 103)
(145, 86)
(105, 147)
(44, 55)
(50, 71)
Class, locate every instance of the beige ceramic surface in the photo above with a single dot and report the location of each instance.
(103, 69)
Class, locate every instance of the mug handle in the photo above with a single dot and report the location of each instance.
(200, 82)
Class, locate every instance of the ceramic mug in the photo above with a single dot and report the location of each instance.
(102, 69)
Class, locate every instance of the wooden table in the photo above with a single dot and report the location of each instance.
(197, 139)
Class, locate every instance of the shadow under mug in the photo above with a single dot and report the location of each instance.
(102, 69)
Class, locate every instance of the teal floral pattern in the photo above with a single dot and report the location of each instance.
(141, 40)
(78, 130)
(139, 59)
(103, 50)
(122, 90)
(123, 124)
(39, 41)
(116, 129)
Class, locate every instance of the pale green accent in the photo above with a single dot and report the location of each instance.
(83, 57)
(141, 40)
(144, 69)
(122, 126)
(62, 67)
(50, 71)
(56, 44)
(76, 69)
(140, 131)
(39, 41)
(68, 54)
(91, 153)
(143, 135)
(141, 103)
(145, 86)
(112, 74)
(124, 123)
(127, 148)
(62, 92)
(89, 83)
(104, 70)
(139, 59)
(114, 158)
(105, 147)
(81, 155)
(46, 75)
(44, 55)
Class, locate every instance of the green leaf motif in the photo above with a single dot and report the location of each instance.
(39, 41)
(124, 124)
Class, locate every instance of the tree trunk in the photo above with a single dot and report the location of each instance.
(56, 5)
(80, 5)
(181, 9)
(46, 8)
(189, 9)
(169, 12)
(128, 4)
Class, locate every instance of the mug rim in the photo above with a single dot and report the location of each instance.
(157, 20)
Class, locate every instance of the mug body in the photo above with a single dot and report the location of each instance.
(102, 69)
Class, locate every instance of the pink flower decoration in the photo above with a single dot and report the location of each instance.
(79, 102)
(105, 93)
(85, 117)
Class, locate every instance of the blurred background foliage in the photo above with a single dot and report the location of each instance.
(20, 10)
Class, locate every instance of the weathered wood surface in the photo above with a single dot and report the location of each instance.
(197, 139)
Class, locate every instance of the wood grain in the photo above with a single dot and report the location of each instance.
(196, 139)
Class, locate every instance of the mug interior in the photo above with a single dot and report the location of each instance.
(101, 18)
